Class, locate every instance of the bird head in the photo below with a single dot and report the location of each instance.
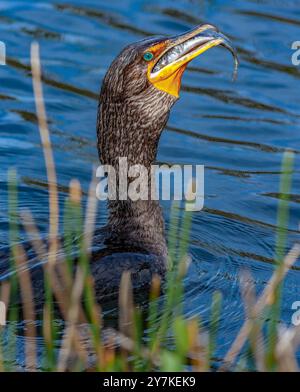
(139, 89)
(156, 65)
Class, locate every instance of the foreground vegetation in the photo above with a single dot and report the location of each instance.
(141, 341)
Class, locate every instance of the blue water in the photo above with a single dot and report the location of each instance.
(237, 130)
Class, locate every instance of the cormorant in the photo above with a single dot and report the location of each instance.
(138, 92)
(139, 89)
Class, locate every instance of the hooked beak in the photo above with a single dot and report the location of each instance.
(166, 70)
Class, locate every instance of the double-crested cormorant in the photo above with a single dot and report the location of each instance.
(138, 91)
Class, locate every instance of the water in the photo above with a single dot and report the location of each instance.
(237, 130)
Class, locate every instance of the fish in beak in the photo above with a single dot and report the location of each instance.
(171, 57)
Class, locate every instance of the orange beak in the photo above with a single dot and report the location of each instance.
(172, 56)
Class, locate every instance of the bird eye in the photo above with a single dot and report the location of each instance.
(148, 56)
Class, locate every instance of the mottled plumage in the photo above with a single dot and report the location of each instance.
(132, 114)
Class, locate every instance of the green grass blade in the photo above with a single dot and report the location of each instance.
(214, 324)
(281, 243)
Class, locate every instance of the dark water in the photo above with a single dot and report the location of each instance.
(237, 130)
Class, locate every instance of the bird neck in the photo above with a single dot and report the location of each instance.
(132, 131)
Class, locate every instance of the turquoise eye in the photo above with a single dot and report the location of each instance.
(148, 56)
